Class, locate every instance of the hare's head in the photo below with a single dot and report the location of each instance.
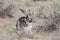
(27, 15)
(29, 19)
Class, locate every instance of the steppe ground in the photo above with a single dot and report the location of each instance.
(38, 9)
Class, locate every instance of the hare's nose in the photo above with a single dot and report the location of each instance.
(30, 20)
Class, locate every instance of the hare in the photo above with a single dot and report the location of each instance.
(23, 22)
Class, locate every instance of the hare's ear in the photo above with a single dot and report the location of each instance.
(30, 12)
(22, 10)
